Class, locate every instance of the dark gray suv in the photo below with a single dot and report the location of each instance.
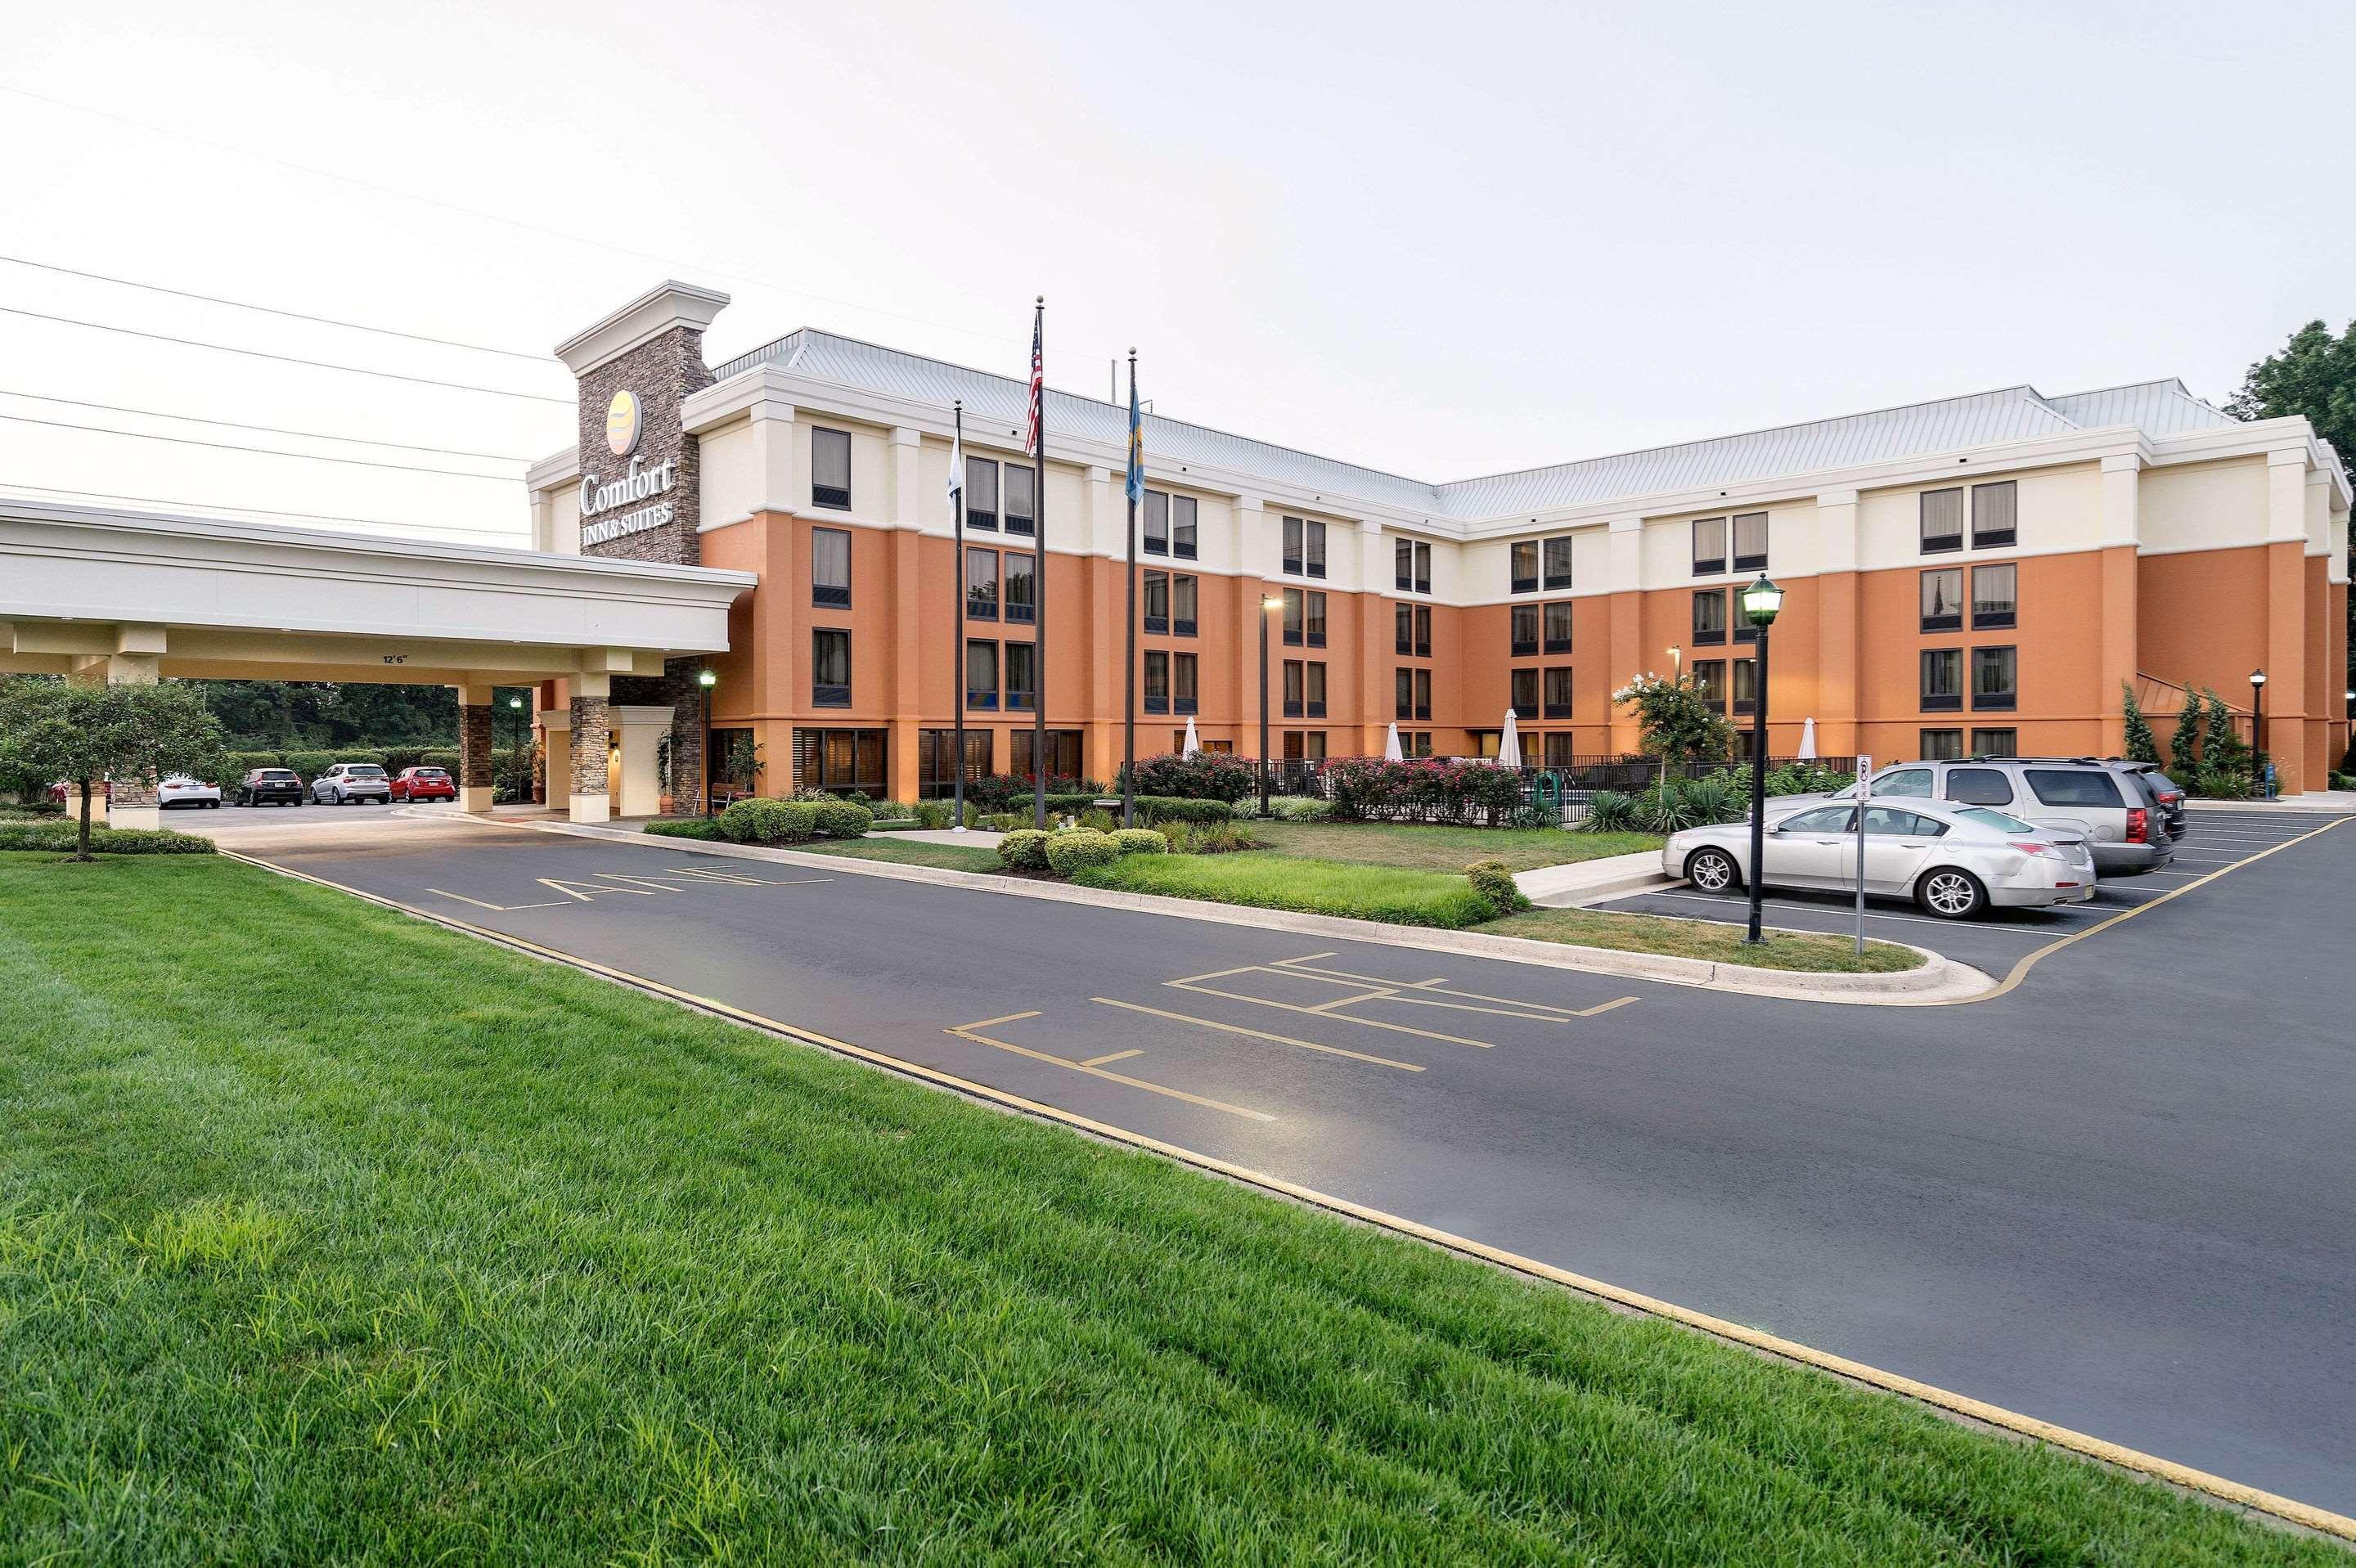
(2112, 808)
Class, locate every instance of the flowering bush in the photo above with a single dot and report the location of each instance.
(1423, 789)
(1675, 720)
(1205, 775)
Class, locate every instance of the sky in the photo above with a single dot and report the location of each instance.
(1443, 241)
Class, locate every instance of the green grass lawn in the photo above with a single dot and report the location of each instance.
(1421, 846)
(907, 852)
(330, 1235)
(1705, 939)
(1266, 880)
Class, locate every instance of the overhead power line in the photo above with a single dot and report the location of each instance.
(285, 358)
(258, 451)
(273, 309)
(267, 428)
(258, 511)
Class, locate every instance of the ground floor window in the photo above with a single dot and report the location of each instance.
(935, 749)
(1560, 747)
(1996, 742)
(1063, 753)
(1220, 746)
(734, 760)
(841, 761)
(1942, 745)
(1304, 745)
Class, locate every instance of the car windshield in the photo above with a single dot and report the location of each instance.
(427, 773)
(364, 773)
(274, 775)
(1996, 819)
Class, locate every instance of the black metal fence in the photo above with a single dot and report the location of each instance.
(1572, 780)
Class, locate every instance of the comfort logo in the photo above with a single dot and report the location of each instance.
(622, 424)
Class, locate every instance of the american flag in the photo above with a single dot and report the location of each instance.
(1038, 388)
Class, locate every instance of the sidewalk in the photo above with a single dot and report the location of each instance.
(1591, 882)
(2342, 801)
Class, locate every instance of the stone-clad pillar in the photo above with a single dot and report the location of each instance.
(592, 723)
(131, 801)
(691, 705)
(474, 764)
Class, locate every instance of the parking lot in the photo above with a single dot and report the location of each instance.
(2216, 840)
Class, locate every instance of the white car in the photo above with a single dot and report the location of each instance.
(347, 782)
(1955, 861)
(182, 790)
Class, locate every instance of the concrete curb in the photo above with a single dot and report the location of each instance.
(1939, 980)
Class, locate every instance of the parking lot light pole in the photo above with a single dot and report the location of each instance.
(705, 680)
(1761, 601)
(2257, 726)
(1265, 605)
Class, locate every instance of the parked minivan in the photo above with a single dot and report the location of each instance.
(2114, 809)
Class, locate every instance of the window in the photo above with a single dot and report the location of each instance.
(1296, 629)
(1304, 747)
(1063, 753)
(830, 567)
(831, 468)
(1710, 682)
(1557, 692)
(1994, 513)
(2074, 786)
(1157, 523)
(1157, 602)
(1525, 567)
(1746, 686)
(1558, 562)
(1022, 516)
(1314, 618)
(1525, 694)
(1557, 628)
(981, 584)
(1942, 521)
(1892, 823)
(1994, 592)
(936, 750)
(1942, 600)
(1022, 678)
(1157, 680)
(1313, 687)
(1561, 750)
(1709, 617)
(1412, 693)
(841, 760)
(1182, 683)
(1822, 819)
(1995, 673)
(980, 493)
(1750, 542)
(1525, 631)
(1304, 548)
(1183, 531)
(1943, 678)
(1295, 681)
(1182, 604)
(1709, 546)
(1411, 566)
(1980, 786)
(1412, 627)
(981, 674)
(830, 667)
(1022, 589)
(1937, 746)
(1996, 742)
(1911, 782)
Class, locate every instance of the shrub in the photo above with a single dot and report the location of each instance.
(761, 821)
(934, 814)
(842, 819)
(62, 838)
(1205, 775)
(1097, 819)
(1299, 808)
(1001, 821)
(999, 792)
(1169, 808)
(1024, 849)
(1079, 849)
(1220, 838)
(1140, 841)
(1492, 880)
(1709, 801)
(1609, 811)
(2217, 784)
(2184, 745)
(684, 828)
(1426, 789)
(2142, 745)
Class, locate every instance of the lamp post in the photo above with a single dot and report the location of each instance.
(1761, 601)
(704, 681)
(2257, 726)
(515, 705)
(1265, 605)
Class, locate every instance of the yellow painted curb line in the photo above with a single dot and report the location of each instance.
(2080, 1442)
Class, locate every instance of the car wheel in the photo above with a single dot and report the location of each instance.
(1713, 871)
(1951, 894)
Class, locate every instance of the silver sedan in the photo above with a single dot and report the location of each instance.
(1955, 861)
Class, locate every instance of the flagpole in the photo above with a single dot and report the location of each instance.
(956, 625)
(1129, 645)
(1039, 590)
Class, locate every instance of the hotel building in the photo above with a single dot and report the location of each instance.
(1983, 573)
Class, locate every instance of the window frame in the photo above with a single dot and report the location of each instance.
(2006, 700)
(1738, 674)
(1936, 753)
(1157, 673)
(1296, 681)
(1706, 565)
(1029, 608)
(1517, 581)
(1153, 625)
(1710, 636)
(2000, 536)
(1945, 622)
(981, 476)
(1009, 691)
(830, 595)
(1522, 679)
(1995, 620)
(1547, 684)
(1185, 682)
(1185, 589)
(1007, 515)
(977, 609)
(833, 497)
(978, 700)
(1518, 617)
(829, 694)
(1186, 528)
(1928, 543)
(1417, 579)
(2012, 741)
(1929, 701)
(1549, 580)
(1153, 531)
(1748, 561)
(1548, 642)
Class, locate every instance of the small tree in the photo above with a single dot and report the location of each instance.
(2184, 746)
(745, 765)
(1676, 722)
(87, 734)
(2143, 746)
(2222, 750)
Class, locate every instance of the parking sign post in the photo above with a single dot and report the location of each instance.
(1864, 771)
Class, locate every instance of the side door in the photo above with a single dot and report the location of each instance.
(1803, 850)
(1898, 843)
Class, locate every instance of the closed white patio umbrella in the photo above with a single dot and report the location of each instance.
(1808, 739)
(1194, 741)
(1391, 750)
(1509, 744)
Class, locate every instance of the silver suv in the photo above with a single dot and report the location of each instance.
(347, 782)
(2129, 835)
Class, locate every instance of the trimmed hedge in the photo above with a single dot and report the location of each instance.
(1078, 850)
(1024, 849)
(685, 827)
(1140, 841)
(842, 819)
(1493, 880)
(1150, 807)
(1427, 789)
(1205, 775)
(763, 821)
(60, 836)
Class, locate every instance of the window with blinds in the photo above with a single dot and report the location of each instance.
(830, 567)
(831, 468)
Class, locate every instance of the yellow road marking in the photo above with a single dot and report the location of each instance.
(620, 877)
(2080, 1442)
(1116, 1056)
(1256, 1034)
(501, 908)
(1438, 983)
(1344, 1017)
(1115, 1077)
(1345, 1001)
(566, 888)
(1009, 1017)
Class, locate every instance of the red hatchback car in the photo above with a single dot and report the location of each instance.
(423, 784)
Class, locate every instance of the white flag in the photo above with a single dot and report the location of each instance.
(957, 469)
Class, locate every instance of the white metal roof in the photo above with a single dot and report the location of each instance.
(2011, 413)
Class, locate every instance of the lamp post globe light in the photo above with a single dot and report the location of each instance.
(1761, 602)
(1266, 605)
